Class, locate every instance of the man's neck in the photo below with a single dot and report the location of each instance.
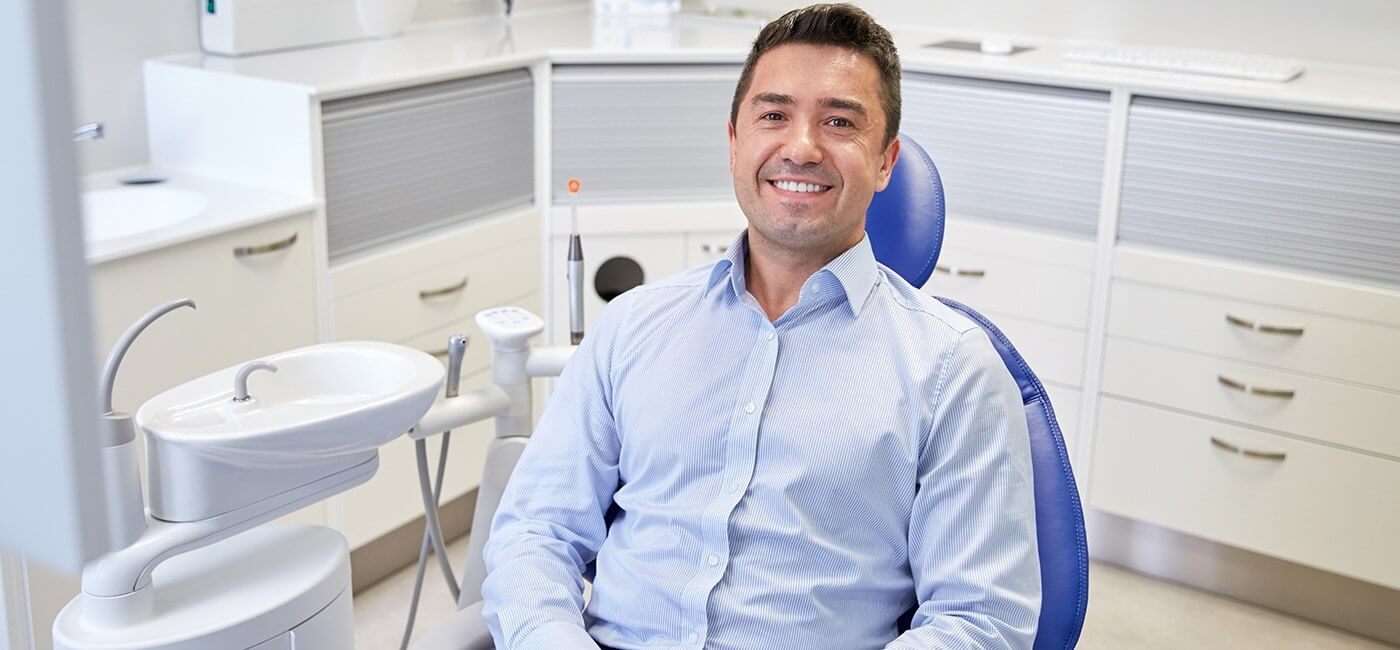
(774, 275)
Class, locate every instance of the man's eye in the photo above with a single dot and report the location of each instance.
(840, 121)
(771, 117)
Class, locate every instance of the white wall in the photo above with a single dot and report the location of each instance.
(109, 38)
(1344, 31)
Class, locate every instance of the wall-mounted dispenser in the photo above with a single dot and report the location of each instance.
(241, 27)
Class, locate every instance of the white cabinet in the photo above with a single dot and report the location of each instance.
(246, 306)
(1301, 501)
(418, 294)
(1252, 407)
(1035, 287)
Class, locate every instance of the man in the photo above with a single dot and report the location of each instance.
(789, 448)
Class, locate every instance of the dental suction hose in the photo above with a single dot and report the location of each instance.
(432, 494)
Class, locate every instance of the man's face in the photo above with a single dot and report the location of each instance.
(807, 149)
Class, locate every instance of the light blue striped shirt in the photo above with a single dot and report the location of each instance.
(802, 483)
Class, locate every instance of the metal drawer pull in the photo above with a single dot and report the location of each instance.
(712, 248)
(1285, 330)
(964, 273)
(445, 291)
(1248, 453)
(1281, 393)
(245, 251)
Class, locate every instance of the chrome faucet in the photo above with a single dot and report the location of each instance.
(93, 131)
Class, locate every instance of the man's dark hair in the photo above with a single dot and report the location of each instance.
(842, 25)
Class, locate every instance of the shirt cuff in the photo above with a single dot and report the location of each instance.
(557, 636)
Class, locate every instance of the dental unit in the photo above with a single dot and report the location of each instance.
(238, 448)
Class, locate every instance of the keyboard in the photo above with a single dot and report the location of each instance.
(1203, 62)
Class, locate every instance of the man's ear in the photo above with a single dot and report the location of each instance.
(731, 147)
(888, 159)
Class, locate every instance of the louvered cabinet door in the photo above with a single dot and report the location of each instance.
(405, 162)
(1020, 154)
(642, 133)
(1291, 191)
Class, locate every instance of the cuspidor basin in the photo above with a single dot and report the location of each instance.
(325, 409)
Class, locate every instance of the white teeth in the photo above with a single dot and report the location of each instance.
(792, 186)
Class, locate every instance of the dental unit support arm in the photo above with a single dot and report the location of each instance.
(514, 364)
(118, 590)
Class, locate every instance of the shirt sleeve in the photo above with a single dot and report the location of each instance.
(551, 520)
(972, 540)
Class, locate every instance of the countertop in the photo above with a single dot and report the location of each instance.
(438, 51)
(228, 207)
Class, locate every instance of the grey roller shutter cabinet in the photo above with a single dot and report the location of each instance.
(638, 133)
(1297, 192)
(1018, 154)
(405, 162)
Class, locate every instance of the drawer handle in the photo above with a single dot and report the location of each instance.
(1281, 393)
(711, 248)
(1285, 330)
(245, 251)
(445, 291)
(1248, 453)
(962, 273)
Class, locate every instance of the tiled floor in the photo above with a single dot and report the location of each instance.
(1126, 610)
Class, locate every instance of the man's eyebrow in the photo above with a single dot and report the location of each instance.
(773, 98)
(845, 105)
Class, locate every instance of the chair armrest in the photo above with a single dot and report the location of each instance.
(465, 630)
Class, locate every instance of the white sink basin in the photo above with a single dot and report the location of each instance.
(127, 211)
(325, 401)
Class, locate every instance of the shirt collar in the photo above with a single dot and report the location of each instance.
(856, 270)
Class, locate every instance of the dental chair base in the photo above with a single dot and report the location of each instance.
(271, 588)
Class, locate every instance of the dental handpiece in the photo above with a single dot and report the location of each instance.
(456, 350)
(575, 272)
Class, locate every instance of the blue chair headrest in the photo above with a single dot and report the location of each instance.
(905, 221)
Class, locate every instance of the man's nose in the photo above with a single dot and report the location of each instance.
(803, 146)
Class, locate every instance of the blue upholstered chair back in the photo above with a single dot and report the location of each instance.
(905, 225)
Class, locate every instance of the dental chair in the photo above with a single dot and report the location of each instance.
(905, 225)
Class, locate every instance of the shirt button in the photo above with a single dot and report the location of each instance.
(692, 638)
(733, 487)
(768, 336)
(749, 408)
(714, 561)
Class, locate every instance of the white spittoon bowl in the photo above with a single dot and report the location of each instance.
(323, 402)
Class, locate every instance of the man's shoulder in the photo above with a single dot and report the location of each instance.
(923, 309)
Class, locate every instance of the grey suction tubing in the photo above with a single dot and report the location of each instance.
(114, 359)
(432, 494)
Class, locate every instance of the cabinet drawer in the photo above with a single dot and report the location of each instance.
(1338, 413)
(1309, 342)
(1320, 506)
(1008, 284)
(439, 297)
(1055, 353)
(248, 305)
(373, 271)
